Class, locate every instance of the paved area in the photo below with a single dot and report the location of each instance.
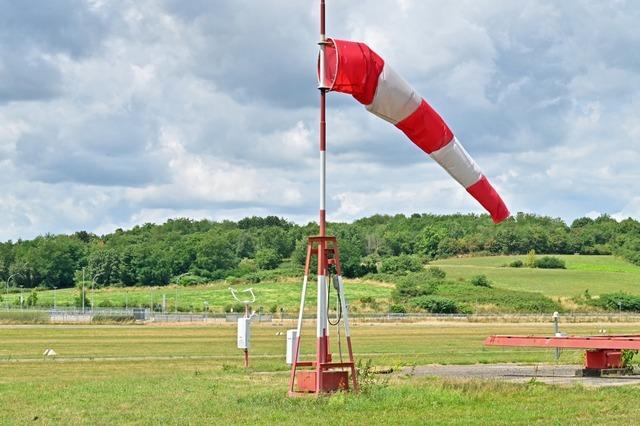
(520, 373)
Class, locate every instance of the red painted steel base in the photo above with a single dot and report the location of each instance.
(323, 375)
(603, 359)
(332, 381)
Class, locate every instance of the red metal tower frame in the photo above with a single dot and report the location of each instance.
(323, 375)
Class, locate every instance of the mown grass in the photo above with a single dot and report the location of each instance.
(123, 385)
(598, 274)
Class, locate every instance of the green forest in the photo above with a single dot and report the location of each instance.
(192, 251)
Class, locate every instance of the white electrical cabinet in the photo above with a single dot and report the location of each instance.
(292, 335)
(244, 332)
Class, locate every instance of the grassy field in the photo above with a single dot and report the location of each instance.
(282, 294)
(598, 274)
(192, 375)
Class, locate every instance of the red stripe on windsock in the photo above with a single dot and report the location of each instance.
(426, 128)
(352, 68)
(490, 200)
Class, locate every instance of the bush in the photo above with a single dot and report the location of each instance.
(516, 264)
(32, 300)
(245, 267)
(235, 308)
(401, 264)
(397, 309)
(436, 304)
(618, 301)
(367, 299)
(267, 258)
(414, 285)
(550, 262)
(480, 281)
(437, 273)
(190, 279)
(112, 318)
(531, 259)
(252, 278)
(273, 309)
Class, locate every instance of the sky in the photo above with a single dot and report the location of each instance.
(120, 112)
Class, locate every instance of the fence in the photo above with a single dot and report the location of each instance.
(71, 315)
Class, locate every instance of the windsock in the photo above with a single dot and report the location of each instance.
(353, 68)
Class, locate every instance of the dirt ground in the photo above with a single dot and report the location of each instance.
(518, 373)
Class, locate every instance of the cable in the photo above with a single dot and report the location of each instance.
(332, 279)
(339, 307)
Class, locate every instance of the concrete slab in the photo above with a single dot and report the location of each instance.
(520, 373)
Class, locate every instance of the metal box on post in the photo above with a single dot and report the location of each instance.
(244, 332)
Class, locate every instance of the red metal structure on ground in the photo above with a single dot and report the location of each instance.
(602, 352)
(323, 375)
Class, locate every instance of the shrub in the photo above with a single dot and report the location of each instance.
(480, 281)
(267, 258)
(531, 259)
(414, 285)
(401, 264)
(436, 304)
(273, 309)
(618, 301)
(517, 264)
(246, 266)
(252, 278)
(32, 299)
(235, 308)
(190, 279)
(550, 262)
(397, 309)
(437, 273)
(367, 299)
(112, 318)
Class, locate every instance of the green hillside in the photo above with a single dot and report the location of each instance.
(284, 294)
(514, 289)
(598, 274)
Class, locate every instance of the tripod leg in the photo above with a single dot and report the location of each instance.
(300, 313)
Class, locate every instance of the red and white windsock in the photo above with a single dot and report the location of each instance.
(353, 68)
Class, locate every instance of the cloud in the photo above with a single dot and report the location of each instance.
(114, 113)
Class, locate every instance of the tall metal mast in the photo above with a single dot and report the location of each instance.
(322, 329)
(324, 374)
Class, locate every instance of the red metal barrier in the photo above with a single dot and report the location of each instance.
(602, 352)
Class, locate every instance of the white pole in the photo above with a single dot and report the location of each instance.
(304, 293)
(322, 297)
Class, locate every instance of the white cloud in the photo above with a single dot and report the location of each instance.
(132, 111)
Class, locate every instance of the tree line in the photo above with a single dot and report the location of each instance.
(205, 250)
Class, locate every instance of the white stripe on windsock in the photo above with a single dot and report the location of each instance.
(394, 100)
(458, 163)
